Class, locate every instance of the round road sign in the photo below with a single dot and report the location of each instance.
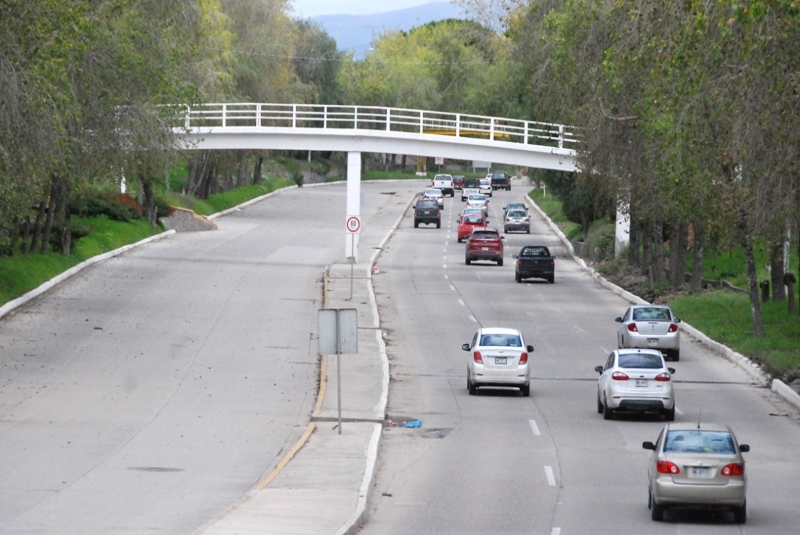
(353, 224)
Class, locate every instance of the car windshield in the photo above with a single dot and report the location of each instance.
(699, 441)
(651, 314)
(506, 340)
(645, 361)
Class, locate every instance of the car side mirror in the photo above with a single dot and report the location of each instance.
(744, 448)
(677, 320)
(618, 320)
(465, 347)
(649, 445)
(502, 237)
(599, 369)
(515, 257)
(671, 370)
(530, 348)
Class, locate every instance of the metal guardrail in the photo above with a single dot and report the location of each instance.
(201, 116)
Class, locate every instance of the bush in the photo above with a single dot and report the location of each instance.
(96, 202)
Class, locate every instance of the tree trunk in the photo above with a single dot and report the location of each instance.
(257, 170)
(647, 248)
(149, 201)
(698, 251)
(633, 243)
(659, 261)
(37, 227)
(752, 275)
(403, 162)
(777, 270)
(48, 222)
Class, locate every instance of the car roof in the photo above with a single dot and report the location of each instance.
(698, 426)
(649, 306)
(499, 330)
(628, 351)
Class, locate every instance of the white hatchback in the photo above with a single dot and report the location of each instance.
(498, 357)
(635, 380)
(434, 193)
(478, 200)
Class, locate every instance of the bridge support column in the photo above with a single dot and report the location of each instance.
(622, 231)
(353, 201)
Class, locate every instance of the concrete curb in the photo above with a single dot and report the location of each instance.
(36, 292)
(740, 360)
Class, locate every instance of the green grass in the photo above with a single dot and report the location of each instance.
(724, 315)
(20, 273)
(222, 201)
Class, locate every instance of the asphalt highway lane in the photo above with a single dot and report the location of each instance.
(500, 463)
(150, 392)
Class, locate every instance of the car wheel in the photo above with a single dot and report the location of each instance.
(608, 413)
(551, 279)
(500, 262)
(467, 261)
(599, 405)
(676, 355)
(740, 514)
(526, 390)
(471, 387)
(438, 224)
(505, 230)
(517, 277)
(656, 510)
(416, 224)
(459, 240)
(669, 415)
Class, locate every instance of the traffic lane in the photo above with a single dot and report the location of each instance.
(624, 432)
(465, 441)
(162, 384)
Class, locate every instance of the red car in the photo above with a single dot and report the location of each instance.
(485, 244)
(467, 223)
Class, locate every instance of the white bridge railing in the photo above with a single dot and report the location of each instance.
(202, 116)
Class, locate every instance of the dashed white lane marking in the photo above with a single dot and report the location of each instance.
(452, 287)
(446, 277)
(555, 531)
(551, 479)
(535, 427)
(678, 411)
(462, 303)
(474, 319)
(444, 266)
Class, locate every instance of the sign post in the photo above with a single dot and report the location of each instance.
(353, 225)
(338, 333)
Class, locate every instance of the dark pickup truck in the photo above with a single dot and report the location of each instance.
(535, 261)
(501, 180)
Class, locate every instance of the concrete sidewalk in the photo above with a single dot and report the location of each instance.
(321, 486)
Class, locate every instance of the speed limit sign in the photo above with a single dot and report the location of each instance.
(353, 224)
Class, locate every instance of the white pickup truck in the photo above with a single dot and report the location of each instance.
(444, 183)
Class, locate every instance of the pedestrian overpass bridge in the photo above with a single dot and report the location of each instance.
(357, 129)
(319, 127)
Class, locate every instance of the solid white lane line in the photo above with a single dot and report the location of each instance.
(534, 427)
(551, 479)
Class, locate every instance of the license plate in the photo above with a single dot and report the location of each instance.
(700, 471)
(500, 360)
(484, 248)
(652, 341)
(641, 382)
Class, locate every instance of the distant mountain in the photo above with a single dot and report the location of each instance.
(355, 33)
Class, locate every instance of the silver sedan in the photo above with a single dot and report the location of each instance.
(650, 327)
(697, 465)
(635, 380)
(498, 357)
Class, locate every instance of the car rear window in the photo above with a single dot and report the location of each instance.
(640, 360)
(484, 235)
(505, 340)
(535, 251)
(700, 441)
(651, 314)
(473, 219)
(516, 213)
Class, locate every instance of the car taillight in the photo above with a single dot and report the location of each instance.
(667, 467)
(632, 328)
(619, 376)
(662, 377)
(508, 219)
(477, 357)
(673, 327)
(733, 469)
(523, 358)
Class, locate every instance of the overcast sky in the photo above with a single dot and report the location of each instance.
(312, 8)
